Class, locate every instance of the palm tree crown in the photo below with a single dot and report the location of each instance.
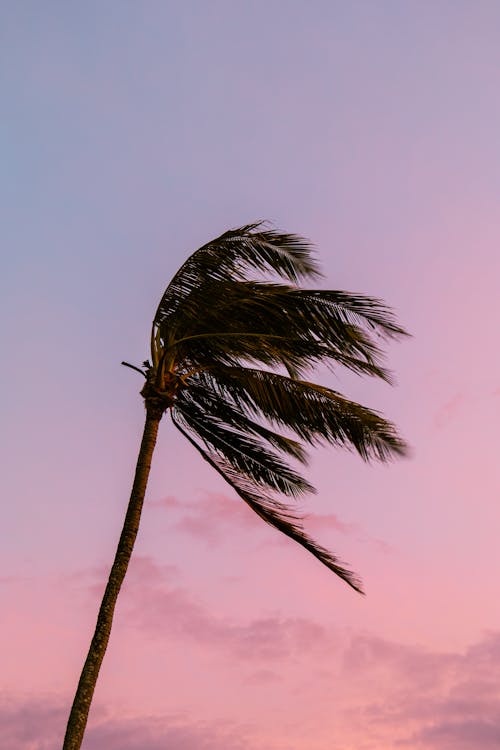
(219, 322)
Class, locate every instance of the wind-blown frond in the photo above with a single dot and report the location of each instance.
(313, 412)
(357, 309)
(210, 403)
(279, 325)
(232, 255)
(246, 305)
(272, 511)
(295, 354)
(244, 453)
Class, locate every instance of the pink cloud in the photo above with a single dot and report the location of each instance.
(155, 733)
(162, 611)
(40, 725)
(142, 568)
(378, 694)
(210, 517)
(398, 693)
(369, 691)
(318, 522)
(153, 603)
(468, 734)
(425, 699)
(31, 724)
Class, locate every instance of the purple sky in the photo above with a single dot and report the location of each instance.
(131, 133)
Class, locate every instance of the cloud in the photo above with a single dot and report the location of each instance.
(160, 609)
(379, 694)
(462, 735)
(209, 518)
(386, 694)
(425, 699)
(142, 570)
(318, 522)
(155, 733)
(153, 603)
(30, 724)
(40, 725)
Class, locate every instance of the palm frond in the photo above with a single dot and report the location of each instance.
(357, 309)
(297, 355)
(244, 453)
(288, 327)
(232, 255)
(272, 511)
(208, 402)
(315, 413)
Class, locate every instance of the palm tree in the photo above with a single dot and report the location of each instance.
(229, 351)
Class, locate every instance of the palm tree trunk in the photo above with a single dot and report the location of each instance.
(81, 705)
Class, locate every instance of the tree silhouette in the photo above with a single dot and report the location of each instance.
(230, 346)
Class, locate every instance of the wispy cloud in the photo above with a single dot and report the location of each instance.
(210, 517)
(142, 569)
(320, 521)
(153, 604)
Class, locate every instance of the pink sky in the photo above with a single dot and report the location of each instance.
(131, 135)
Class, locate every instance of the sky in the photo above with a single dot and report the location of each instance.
(131, 134)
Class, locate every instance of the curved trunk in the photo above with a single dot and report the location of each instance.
(88, 679)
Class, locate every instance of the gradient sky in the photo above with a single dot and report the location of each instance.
(131, 133)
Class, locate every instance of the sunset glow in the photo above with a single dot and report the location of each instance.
(132, 134)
